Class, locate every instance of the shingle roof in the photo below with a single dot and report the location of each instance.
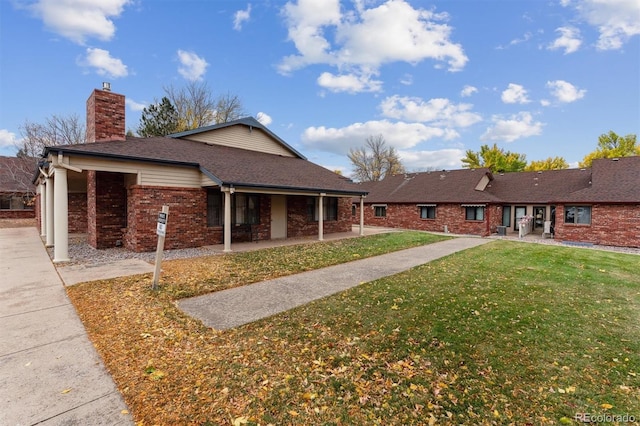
(612, 181)
(452, 186)
(225, 165)
(16, 174)
(538, 187)
(608, 181)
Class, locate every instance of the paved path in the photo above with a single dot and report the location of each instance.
(50, 374)
(241, 305)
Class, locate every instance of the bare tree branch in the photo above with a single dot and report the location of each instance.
(375, 161)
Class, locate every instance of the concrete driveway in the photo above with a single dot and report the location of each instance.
(50, 374)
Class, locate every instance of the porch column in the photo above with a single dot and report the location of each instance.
(43, 199)
(361, 215)
(227, 220)
(321, 217)
(49, 211)
(61, 216)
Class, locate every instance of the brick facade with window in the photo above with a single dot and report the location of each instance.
(407, 216)
(611, 224)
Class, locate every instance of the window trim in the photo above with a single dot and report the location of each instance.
(482, 208)
(329, 207)
(576, 216)
(429, 207)
(375, 208)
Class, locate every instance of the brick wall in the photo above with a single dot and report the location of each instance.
(615, 225)
(17, 214)
(186, 225)
(407, 216)
(77, 212)
(105, 116)
(298, 224)
(106, 208)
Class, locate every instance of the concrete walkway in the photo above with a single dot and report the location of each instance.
(241, 305)
(50, 374)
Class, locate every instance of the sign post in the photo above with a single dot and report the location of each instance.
(161, 231)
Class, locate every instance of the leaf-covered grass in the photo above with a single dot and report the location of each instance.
(503, 333)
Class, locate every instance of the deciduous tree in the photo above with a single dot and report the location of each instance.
(611, 145)
(555, 163)
(375, 160)
(55, 130)
(494, 158)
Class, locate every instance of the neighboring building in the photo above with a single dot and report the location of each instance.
(600, 205)
(235, 181)
(17, 190)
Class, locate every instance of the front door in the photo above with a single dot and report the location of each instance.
(278, 216)
(539, 216)
(520, 212)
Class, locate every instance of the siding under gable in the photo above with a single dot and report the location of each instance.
(242, 137)
(147, 174)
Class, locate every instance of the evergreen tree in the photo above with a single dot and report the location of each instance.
(158, 119)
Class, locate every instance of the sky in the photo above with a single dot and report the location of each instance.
(433, 78)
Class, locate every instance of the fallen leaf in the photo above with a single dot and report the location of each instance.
(606, 406)
(66, 391)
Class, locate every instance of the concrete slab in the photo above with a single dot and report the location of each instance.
(237, 306)
(74, 274)
(50, 373)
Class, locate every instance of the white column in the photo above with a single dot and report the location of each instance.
(361, 215)
(49, 211)
(60, 216)
(227, 220)
(320, 217)
(43, 219)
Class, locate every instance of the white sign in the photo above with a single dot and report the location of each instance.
(161, 229)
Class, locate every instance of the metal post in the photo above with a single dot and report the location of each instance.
(159, 249)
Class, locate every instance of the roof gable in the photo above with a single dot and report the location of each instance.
(245, 133)
(613, 180)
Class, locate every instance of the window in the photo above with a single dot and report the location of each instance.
(16, 202)
(329, 206)
(214, 208)
(353, 210)
(380, 211)
(474, 213)
(427, 212)
(577, 214)
(246, 209)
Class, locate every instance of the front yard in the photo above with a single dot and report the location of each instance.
(503, 333)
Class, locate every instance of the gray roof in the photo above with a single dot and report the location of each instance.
(224, 165)
(607, 181)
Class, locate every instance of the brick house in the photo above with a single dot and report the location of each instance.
(17, 190)
(599, 205)
(225, 183)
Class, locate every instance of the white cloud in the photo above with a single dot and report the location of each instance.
(616, 20)
(406, 80)
(133, 105)
(264, 119)
(515, 94)
(7, 138)
(468, 91)
(365, 39)
(432, 160)
(399, 135)
(350, 83)
(78, 20)
(565, 92)
(569, 40)
(240, 17)
(439, 111)
(104, 63)
(192, 66)
(515, 127)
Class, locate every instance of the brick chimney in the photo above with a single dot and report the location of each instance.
(105, 115)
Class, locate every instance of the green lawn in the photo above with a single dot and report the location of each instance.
(504, 333)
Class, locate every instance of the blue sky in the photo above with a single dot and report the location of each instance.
(434, 78)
